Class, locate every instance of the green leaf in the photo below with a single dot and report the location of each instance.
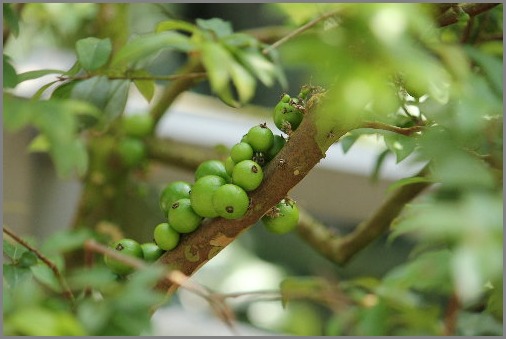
(11, 19)
(64, 91)
(146, 88)
(74, 70)
(93, 53)
(216, 25)
(402, 146)
(16, 112)
(492, 67)
(149, 44)
(216, 60)
(39, 321)
(171, 25)
(39, 144)
(13, 251)
(66, 240)
(10, 78)
(118, 95)
(14, 275)
(41, 90)
(244, 82)
(240, 40)
(94, 90)
(30, 75)
(46, 276)
(257, 64)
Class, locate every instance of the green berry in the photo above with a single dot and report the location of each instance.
(182, 217)
(260, 138)
(286, 117)
(172, 192)
(138, 125)
(286, 218)
(279, 143)
(241, 151)
(165, 236)
(132, 151)
(211, 167)
(230, 201)
(201, 196)
(248, 175)
(151, 252)
(127, 247)
(229, 165)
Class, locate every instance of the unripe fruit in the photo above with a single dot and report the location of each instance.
(201, 195)
(241, 151)
(248, 175)
(151, 251)
(211, 167)
(132, 151)
(286, 117)
(230, 201)
(124, 246)
(172, 192)
(229, 166)
(260, 138)
(286, 220)
(165, 236)
(138, 125)
(279, 143)
(182, 217)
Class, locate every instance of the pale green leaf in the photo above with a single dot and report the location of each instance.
(37, 74)
(93, 53)
(146, 88)
(149, 44)
(407, 181)
(216, 25)
(10, 78)
(244, 82)
(171, 25)
(39, 144)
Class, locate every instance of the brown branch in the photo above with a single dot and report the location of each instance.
(67, 293)
(340, 249)
(300, 154)
(450, 318)
(400, 130)
(300, 30)
(452, 15)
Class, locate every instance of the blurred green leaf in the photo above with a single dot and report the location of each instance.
(39, 144)
(491, 66)
(216, 25)
(402, 146)
(66, 240)
(118, 95)
(13, 251)
(30, 75)
(10, 78)
(374, 320)
(146, 88)
(216, 60)
(149, 44)
(46, 276)
(478, 324)
(95, 91)
(244, 82)
(170, 25)
(257, 64)
(93, 53)
(64, 91)
(99, 277)
(41, 90)
(407, 181)
(11, 19)
(39, 321)
(14, 276)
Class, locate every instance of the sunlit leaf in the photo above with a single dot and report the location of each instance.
(170, 25)
(244, 82)
(146, 88)
(10, 78)
(216, 25)
(93, 53)
(149, 44)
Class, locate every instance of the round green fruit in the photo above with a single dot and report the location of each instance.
(125, 246)
(172, 192)
(138, 125)
(230, 201)
(248, 175)
(260, 138)
(286, 117)
(132, 151)
(211, 167)
(151, 252)
(229, 165)
(279, 143)
(285, 220)
(241, 151)
(201, 195)
(182, 217)
(166, 237)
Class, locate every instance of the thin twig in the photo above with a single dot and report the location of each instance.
(67, 293)
(299, 30)
(399, 130)
(450, 319)
(453, 14)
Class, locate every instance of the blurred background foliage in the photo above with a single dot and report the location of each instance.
(440, 269)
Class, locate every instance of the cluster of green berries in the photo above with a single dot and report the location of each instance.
(220, 188)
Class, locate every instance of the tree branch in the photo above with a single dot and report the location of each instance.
(196, 76)
(341, 249)
(400, 130)
(67, 293)
(452, 14)
(300, 154)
